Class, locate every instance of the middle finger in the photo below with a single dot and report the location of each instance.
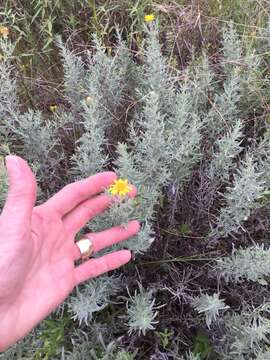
(87, 210)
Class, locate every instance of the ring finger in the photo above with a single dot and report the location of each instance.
(109, 237)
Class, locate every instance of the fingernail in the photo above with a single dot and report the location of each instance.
(13, 163)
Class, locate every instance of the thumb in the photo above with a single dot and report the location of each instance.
(22, 191)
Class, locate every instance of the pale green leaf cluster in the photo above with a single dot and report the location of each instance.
(225, 107)
(262, 154)
(191, 356)
(247, 333)
(200, 83)
(210, 306)
(90, 157)
(73, 75)
(29, 132)
(224, 110)
(232, 48)
(145, 167)
(141, 311)
(227, 149)
(251, 264)
(93, 297)
(184, 137)
(265, 355)
(155, 75)
(103, 85)
(92, 345)
(240, 199)
(87, 351)
(40, 145)
(9, 102)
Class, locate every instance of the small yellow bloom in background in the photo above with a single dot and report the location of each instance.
(53, 108)
(149, 18)
(237, 70)
(88, 99)
(4, 31)
(120, 187)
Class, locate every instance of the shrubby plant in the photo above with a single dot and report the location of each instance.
(183, 139)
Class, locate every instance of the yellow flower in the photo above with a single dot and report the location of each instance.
(149, 18)
(53, 108)
(4, 31)
(120, 187)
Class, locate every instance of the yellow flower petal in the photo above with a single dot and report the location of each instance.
(120, 187)
(149, 18)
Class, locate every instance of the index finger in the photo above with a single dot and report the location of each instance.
(73, 194)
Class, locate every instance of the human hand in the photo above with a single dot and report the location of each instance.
(38, 251)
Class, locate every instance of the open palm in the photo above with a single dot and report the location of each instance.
(38, 251)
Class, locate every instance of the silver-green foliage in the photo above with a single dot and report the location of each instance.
(240, 199)
(232, 48)
(9, 102)
(200, 83)
(228, 147)
(173, 123)
(263, 156)
(184, 136)
(264, 355)
(39, 141)
(247, 333)
(102, 91)
(150, 146)
(89, 156)
(95, 344)
(145, 166)
(93, 297)
(29, 133)
(191, 356)
(73, 67)
(155, 75)
(210, 306)
(252, 264)
(164, 140)
(141, 312)
(87, 351)
(225, 109)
